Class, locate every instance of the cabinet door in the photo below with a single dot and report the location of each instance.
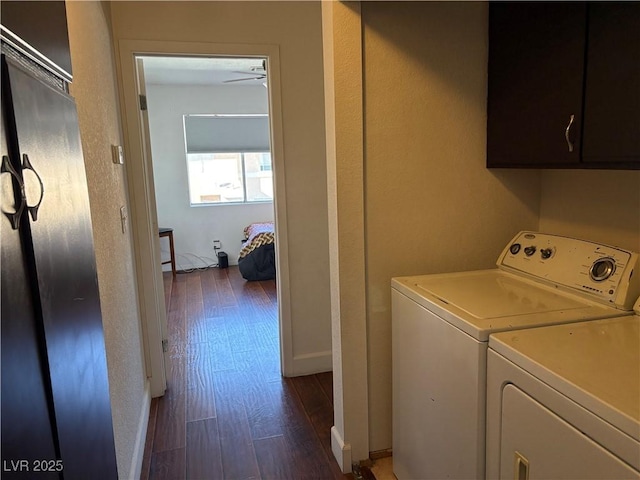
(536, 60)
(612, 86)
(27, 426)
(42, 26)
(61, 236)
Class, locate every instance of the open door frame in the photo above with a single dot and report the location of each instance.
(142, 196)
(150, 287)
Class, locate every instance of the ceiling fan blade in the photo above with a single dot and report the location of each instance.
(261, 77)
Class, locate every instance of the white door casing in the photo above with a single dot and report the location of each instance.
(162, 358)
(142, 194)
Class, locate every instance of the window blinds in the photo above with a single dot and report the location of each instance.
(211, 133)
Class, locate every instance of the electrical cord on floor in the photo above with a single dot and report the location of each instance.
(193, 268)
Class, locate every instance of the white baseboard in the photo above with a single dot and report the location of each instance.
(341, 452)
(311, 363)
(141, 436)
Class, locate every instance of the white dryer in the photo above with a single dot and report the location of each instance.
(564, 401)
(440, 330)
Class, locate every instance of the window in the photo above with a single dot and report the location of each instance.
(228, 158)
(228, 177)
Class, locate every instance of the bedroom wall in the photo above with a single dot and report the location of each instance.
(95, 92)
(195, 228)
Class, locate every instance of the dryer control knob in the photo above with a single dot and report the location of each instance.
(515, 248)
(529, 250)
(602, 269)
(546, 253)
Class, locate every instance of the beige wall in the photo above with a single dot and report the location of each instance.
(598, 205)
(426, 183)
(345, 175)
(431, 205)
(295, 28)
(95, 92)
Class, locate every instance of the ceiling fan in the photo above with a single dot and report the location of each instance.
(256, 72)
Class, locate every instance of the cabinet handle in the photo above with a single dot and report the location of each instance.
(521, 467)
(566, 133)
(14, 217)
(33, 210)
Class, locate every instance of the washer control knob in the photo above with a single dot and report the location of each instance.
(529, 250)
(602, 269)
(546, 253)
(515, 248)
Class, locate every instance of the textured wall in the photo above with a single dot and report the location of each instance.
(430, 203)
(295, 28)
(95, 93)
(345, 174)
(598, 205)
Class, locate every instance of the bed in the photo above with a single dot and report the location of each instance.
(257, 259)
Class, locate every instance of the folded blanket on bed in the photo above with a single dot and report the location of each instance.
(257, 256)
(257, 235)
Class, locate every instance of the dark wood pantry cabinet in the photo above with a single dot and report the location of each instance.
(56, 411)
(564, 85)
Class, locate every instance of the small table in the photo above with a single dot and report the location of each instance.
(168, 232)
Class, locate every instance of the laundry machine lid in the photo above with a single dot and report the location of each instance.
(595, 363)
(494, 294)
(484, 301)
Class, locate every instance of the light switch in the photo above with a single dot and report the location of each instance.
(117, 154)
(123, 218)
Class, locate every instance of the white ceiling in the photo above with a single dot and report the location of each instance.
(203, 71)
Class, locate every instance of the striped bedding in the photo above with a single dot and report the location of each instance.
(257, 256)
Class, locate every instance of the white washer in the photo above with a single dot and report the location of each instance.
(564, 401)
(440, 331)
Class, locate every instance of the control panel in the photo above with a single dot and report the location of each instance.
(602, 272)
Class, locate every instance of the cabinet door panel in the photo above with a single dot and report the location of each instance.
(536, 62)
(612, 87)
(46, 122)
(27, 427)
(42, 25)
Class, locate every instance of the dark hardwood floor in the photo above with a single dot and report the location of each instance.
(227, 412)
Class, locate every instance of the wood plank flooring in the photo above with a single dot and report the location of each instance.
(227, 412)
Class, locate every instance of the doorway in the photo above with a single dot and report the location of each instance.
(143, 198)
(209, 150)
(209, 135)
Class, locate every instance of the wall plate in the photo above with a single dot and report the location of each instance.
(117, 153)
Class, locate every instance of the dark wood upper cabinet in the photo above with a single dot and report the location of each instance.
(612, 87)
(39, 30)
(564, 85)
